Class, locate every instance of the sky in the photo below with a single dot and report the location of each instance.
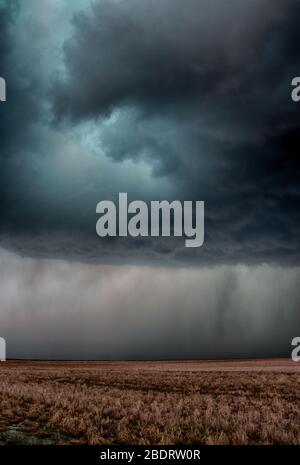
(164, 100)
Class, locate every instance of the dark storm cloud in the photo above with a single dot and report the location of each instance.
(198, 91)
(164, 100)
(22, 106)
(163, 52)
(18, 116)
(211, 82)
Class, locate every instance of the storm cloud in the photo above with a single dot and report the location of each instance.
(163, 100)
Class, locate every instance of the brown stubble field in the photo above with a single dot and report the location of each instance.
(233, 402)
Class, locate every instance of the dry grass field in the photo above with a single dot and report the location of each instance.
(252, 402)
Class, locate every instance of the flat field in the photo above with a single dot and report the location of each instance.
(184, 402)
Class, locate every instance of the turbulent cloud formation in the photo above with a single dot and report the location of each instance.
(157, 53)
(160, 99)
(214, 111)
